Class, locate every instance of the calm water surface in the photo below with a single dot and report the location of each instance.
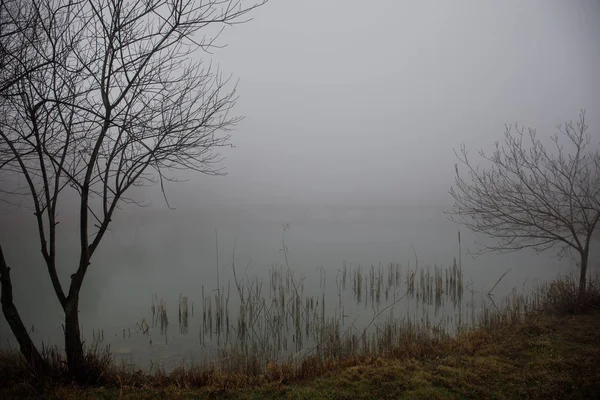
(174, 253)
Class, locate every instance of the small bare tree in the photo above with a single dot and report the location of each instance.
(534, 197)
(112, 99)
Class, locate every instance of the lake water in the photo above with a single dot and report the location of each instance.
(174, 253)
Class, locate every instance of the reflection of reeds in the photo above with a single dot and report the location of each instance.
(183, 314)
(159, 314)
(142, 327)
(98, 335)
(267, 323)
(275, 321)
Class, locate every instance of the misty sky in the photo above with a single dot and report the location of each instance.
(355, 102)
(363, 102)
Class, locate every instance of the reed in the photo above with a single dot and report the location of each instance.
(249, 323)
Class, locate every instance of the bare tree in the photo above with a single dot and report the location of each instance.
(534, 197)
(121, 103)
(19, 23)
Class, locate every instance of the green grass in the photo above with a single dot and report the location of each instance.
(543, 357)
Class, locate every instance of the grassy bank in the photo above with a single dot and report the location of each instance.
(552, 353)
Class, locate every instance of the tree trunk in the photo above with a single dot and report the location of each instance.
(26, 345)
(583, 275)
(73, 343)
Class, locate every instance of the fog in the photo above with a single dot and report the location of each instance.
(352, 111)
(355, 103)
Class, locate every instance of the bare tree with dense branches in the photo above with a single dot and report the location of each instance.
(532, 196)
(19, 23)
(114, 100)
(19, 28)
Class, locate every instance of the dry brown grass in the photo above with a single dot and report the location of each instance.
(561, 296)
